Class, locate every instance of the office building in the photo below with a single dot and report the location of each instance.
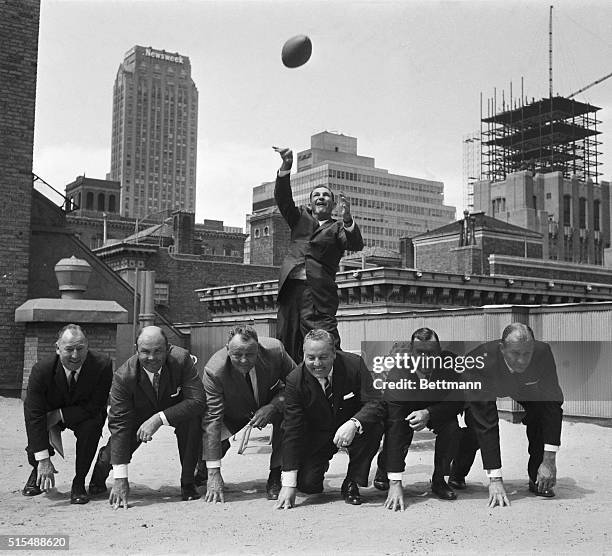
(154, 133)
(386, 206)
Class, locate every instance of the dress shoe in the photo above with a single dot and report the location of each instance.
(457, 482)
(189, 492)
(273, 486)
(441, 489)
(97, 483)
(350, 492)
(381, 481)
(31, 488)
(548, 493)
(201, 477)
(78, 494)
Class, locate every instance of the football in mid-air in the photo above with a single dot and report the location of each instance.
(296, 51)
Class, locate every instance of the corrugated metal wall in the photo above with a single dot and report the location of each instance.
(585, 371)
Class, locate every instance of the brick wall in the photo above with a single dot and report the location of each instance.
(40, 338)
(18, 58)
(272, 243)
(184, 275)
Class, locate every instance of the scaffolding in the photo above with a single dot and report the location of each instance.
(548, 135)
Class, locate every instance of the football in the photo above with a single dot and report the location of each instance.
(296, 51)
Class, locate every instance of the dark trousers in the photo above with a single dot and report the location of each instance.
(468, 444)
(297, 316)
(361, 453)
(88, 435)
(188, 438)
(399, 435)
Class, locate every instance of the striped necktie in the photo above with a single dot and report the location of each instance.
(156, 383)
(328, 390)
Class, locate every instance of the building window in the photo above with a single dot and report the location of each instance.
(582, 213)
(596, 205)
(89, 201)
(549, 196)
(162, 294)
(100, 202)
(266, 231)
(111, 203)
(567, 210)
(256, 233)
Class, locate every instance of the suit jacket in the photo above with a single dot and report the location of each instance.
(320, 248)
(229, 399)
(310, 423)
(133, 400)
(537, 390)
(48, 390)
(442, 405)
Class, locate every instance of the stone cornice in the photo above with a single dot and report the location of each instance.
(384, 289)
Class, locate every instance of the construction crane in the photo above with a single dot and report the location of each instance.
(590, 85)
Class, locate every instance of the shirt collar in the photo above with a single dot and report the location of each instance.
(68, 372)
(150, 374)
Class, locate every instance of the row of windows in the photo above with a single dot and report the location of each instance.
(101, 205)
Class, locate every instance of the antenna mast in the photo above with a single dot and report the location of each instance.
(550, 55)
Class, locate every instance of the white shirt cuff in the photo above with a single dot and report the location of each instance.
(494, 473)
(214, 464)
(394, 476)
(358, 424)
(43, 454)
(349, 228)
(551, 448)
(120, 471)
(61, 415)
(162, 416)
(289, 478)
(283, 173)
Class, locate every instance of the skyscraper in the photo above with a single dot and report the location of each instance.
(154, 134)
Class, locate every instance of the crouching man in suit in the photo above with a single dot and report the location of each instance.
(157, 386)
(330, 403)
(244, 384)
(410, 410)
(66, 391)
(524, 369)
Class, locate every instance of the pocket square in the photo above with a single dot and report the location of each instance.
(349, 396)
(178, 391)
(531, 383)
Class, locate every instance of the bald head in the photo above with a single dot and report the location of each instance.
(517, 345)
(152, 348)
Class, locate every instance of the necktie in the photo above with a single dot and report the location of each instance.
(249, 383)
(156, 383)
(72, 382)
(328, 390)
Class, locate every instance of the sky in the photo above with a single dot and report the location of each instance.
(404, 77)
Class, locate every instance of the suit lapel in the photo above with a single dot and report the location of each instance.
(338, 380)
(240, 386)
(317, 395)
(60, 378)
(327, 224)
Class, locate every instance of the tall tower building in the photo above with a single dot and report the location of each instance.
(472, 163)
(155, 131)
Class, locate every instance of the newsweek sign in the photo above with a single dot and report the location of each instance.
(178, 59)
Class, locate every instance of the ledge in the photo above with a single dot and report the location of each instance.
(71, 310)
